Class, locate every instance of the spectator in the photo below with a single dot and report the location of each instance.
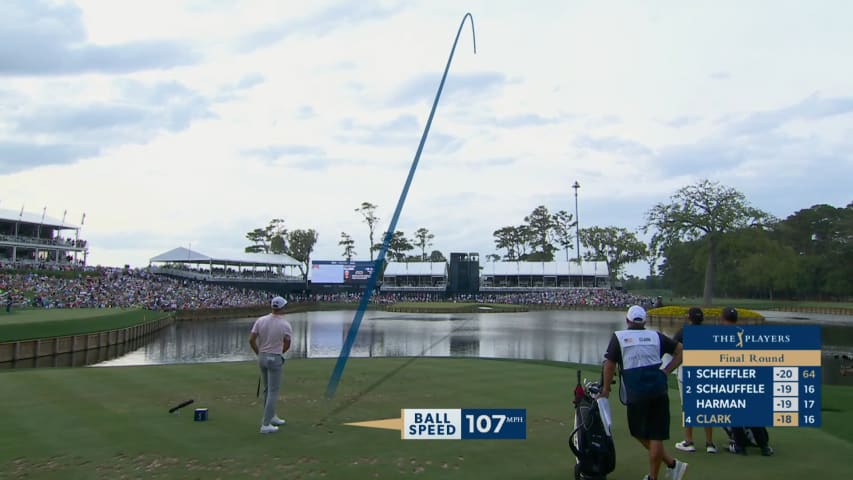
(695, 316)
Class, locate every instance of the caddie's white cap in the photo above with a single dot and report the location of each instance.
(636, 314)
(278, 303)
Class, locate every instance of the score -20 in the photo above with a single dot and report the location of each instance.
(494, 424)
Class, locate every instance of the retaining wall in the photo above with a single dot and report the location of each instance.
(42, 347)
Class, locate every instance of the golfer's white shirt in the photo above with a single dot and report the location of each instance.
(271, 330)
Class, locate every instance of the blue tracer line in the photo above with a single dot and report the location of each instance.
(377, 266)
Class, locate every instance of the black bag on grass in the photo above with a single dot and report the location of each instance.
(748, 436)
(590, 439)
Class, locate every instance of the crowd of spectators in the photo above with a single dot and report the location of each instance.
(125, 287)
(569, 297)
(115, 287)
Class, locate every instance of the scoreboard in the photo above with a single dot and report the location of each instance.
(751, 376)
(340, 272)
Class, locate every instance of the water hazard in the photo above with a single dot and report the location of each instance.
(556, 335)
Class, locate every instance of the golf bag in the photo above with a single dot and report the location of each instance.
(748, 436)
(591, 440)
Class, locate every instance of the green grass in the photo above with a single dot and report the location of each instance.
(43, 323)
(113, 423)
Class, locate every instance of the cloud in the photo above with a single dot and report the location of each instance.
(61, 133)
(701, 158)
(311, 163)
(403, 130)
(44, 38)
(302, 157)
(610, 144)
(272, 153)
(603, 121)
(812, 108)
(422, 88)
(230, 92)
(305, 112)
(20, 156)
(249, 81)
(488, 163)
(140, 111)
(79, 118)
(720, 75)
(325, 21)
(681, 121)
(526, 120)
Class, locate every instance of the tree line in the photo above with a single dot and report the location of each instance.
(706, 238)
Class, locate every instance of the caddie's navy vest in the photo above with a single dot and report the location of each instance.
(641, 376)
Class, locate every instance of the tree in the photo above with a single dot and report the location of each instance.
(514, 240)
(269, 239)
(423, 239)
(368, 211)
(437, 256)
(768, 268)
(397, 246)
(705, 210)
(822, 237)
(506, 238)
(493, 257)
(540, 226)
(349, 246)
(564, 222)
(617, 246)
(302, 243)
(653, 254)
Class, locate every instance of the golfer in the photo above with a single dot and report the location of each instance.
(270, 339)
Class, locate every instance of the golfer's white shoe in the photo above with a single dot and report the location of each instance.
(277, 421)
(268, 429)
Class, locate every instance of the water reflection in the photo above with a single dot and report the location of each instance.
(567, 336)
(563, 336)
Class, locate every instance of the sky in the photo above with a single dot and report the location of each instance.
(190, 123)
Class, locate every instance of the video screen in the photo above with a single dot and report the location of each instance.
(340, 272)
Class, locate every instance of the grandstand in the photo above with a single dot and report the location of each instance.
(248, 270)
(252, 270)
(517, 276)
(31, 240)
(415, 276)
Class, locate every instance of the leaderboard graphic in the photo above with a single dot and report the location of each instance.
(751, 376)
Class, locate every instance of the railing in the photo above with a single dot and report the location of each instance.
(61, 244)
(225, 277)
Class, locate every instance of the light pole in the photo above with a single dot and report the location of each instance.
(576, 186)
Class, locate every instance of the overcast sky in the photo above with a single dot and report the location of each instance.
(177, 123)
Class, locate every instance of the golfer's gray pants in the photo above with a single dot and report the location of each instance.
(271, 367)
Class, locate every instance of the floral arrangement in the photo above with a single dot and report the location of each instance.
(710, 312)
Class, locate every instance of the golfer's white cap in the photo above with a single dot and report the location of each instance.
(278, 303)
(636, 314)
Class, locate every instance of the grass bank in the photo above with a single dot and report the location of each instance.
(113, 423)
(26, 324)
